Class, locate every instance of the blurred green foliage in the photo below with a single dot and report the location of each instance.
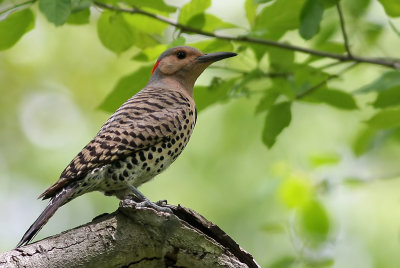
(299, 164)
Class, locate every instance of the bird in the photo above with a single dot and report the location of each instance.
(140, 139)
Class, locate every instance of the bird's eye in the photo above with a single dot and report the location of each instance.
(181, 55)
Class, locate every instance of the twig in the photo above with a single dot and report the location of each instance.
(395, 64)
(16, 6)
(320, 84)
(343, 28)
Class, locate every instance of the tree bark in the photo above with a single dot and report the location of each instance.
(135, 237)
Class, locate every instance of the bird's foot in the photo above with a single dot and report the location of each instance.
(142, 201)
(162, 202)
(158, 206)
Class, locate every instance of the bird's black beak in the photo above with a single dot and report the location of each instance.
(216, 56)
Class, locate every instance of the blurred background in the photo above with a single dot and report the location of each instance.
(54, 79)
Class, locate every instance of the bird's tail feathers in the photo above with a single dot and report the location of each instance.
(55, 202)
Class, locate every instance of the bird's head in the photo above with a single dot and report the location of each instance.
(184, 65)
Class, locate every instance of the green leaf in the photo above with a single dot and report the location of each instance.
(278, 118)
(314, 221)
(363, 141)
(392, 7)
(267, 101)
(251, 11)
(310, 18)
(356, 7)
(208, 23)
(331, 46)
(295, 192)
(284, 86)
(80, 17)
(387, 98)
(259, 50)
(261, 1)
(159, 5)
(193, 8)
(386, 81)
(150, 53)
(212, 45)
(387, 118)
(78, 5)
(56, 11)
(206, 96)
(323, 159)
(20, 22)
(271, 25)
(329, 3)
(281, 60)
(145, 24)
(334, 97)
(114, 33)
(284, 262)
(306, 77)
(126, 87)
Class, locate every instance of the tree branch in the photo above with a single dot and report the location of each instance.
(16, 6)
(392, 63)
(343, 28)
(135, 237)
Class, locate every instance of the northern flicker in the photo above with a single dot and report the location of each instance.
(140, 140)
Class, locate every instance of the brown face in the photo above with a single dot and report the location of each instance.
(184, 65)
(181, 59)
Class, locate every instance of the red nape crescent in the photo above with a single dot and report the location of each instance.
(155, 66)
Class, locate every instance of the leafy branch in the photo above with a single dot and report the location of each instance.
(323, 82)
(391, 63)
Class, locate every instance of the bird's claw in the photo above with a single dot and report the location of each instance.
(158, 206)
(162, 202)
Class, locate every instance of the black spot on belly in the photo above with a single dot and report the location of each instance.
(118, 164)
(161, 158)
(159, 149)
(142, 157)
(150, 156)
(129, 166)
(121, 177)
(114, 176)
(125, 173)
(148, 169)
